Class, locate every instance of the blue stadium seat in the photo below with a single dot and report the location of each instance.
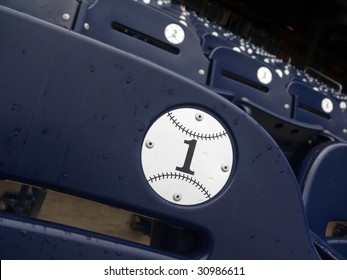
(125, 25)
(73, 119)
(323, 182)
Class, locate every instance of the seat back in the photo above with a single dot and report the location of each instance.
(314, 107)
(163, 40)
(245, 77)
(323, 180)
(91, 135)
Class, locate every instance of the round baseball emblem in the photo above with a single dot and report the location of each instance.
(264, 75)
(187, 156)
(174, 33)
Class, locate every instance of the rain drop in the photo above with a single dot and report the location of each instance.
(105, 157)
(92, 68)
(141, 127)
(44, 131)
(15, 107)
(16, 131)
(128, 80)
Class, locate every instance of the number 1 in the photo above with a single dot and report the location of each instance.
(188, 161)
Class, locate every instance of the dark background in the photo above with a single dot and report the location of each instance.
(308, 33)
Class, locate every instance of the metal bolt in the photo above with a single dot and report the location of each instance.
(149, 144)
(201, 72)
(177, 196)
(225, 167)
(199, 117)
(66, 17)
(86, 26)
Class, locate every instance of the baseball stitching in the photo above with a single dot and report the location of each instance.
(194, 134)
(175, 175)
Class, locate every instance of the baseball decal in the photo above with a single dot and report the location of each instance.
(187, 156)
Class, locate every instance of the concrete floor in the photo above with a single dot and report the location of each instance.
(69, 210)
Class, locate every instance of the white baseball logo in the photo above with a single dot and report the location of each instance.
(187, 156)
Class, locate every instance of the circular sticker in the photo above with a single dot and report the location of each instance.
(327, 105)
(174, 33)
(264, 75)
(187, 156)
